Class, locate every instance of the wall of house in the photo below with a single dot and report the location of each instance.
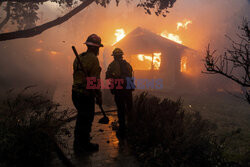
(169, 69)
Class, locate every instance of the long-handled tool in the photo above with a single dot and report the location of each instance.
(104, 119)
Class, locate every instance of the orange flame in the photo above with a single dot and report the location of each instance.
(184, 64)
(155, 59)
(53, 52)
(119, 33)
(183, 24)
(172, 37)
(38, 50)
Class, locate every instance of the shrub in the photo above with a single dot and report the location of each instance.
(163, 133)
(29, 125)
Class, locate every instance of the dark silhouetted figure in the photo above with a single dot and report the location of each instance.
(83, 98)
(122, 70)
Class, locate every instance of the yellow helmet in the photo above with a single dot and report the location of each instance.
(117, 52)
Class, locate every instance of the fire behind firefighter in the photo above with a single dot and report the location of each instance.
(84, 99)
(121, 69)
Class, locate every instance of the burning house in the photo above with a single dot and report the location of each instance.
(154, 57)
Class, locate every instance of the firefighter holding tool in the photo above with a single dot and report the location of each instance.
(86, 65)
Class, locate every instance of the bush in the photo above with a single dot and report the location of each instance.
(163, 133)
(29, 125)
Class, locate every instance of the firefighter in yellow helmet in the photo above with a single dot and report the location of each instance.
(122, 70)
(83, 98)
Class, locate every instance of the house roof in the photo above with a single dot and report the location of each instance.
(143, 40)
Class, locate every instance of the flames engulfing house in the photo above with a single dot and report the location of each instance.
(153, 56)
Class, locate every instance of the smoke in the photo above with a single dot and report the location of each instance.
(211, 20)
(21, 63)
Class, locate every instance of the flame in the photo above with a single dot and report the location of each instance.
(155, 59)
(175, 37)
(184, 64)
(53, 52)
(183, 24)
(119, 33)
(141, 57)
(38, 50)
(172, 37)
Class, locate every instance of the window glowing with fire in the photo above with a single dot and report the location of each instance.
(184, 64)
(146, 61)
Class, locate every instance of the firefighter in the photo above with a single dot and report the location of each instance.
(122, 70)
(84, 99)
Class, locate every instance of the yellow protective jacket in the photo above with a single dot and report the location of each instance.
(91, 66)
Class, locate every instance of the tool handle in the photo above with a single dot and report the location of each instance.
(102, 110)
(78, 59)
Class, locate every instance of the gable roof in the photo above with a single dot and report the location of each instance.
(141, 39)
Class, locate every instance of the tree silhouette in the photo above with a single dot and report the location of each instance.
(235, 63)
(23, 14)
